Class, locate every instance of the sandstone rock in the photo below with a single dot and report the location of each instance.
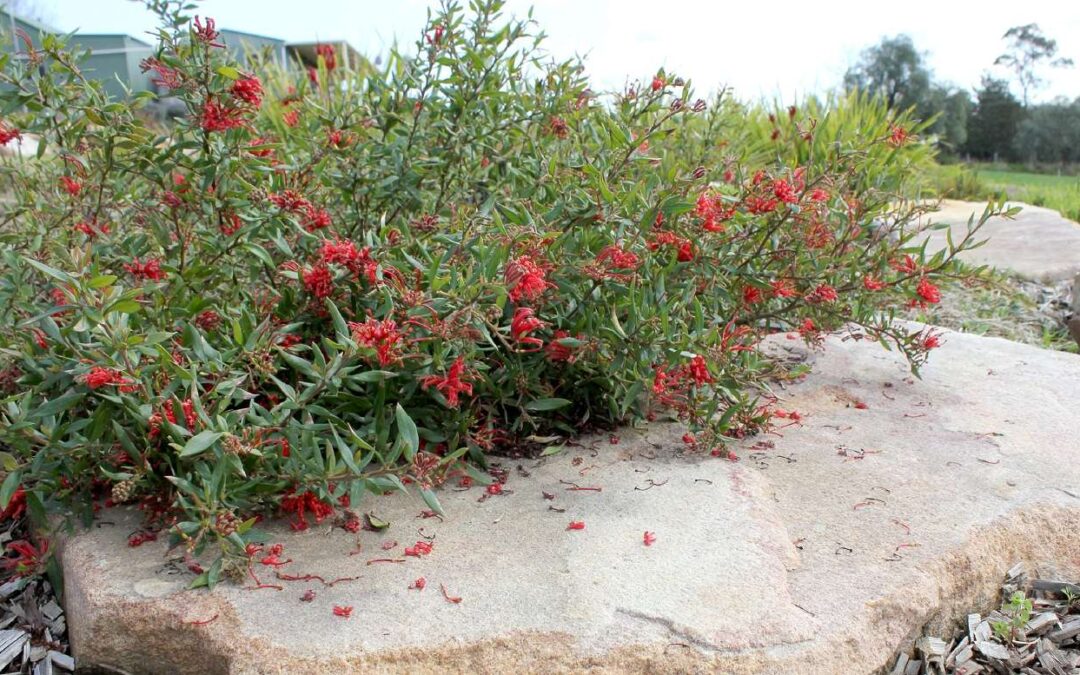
(822, 550)
(1039, 244)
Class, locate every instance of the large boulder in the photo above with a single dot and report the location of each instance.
(896, 504)
(1039, 244)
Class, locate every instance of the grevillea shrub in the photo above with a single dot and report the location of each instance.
(332, 283)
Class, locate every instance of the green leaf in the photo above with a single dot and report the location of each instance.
(407, 432)
(200, 442)
(229, 72)
(542, 404)
(376, 523)
(125, 306)
(51, 271)
(552, 450)
(374, 376)
(432, 501)
(102, 281)
(57, 405)
(11, 483)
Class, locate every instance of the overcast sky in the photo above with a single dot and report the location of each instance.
(761, 48)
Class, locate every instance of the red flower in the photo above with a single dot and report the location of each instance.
(898, 135)
(328, 55)
(930, 341)
(103, 377)
(618, 258)
(382, 336)
(759, 205)
(344, 612)
(752, 295)
(928, 291)
(657, 83)
(71, 186)
(318, 281)
(699, 370)
(316, 219)
(420, 548)
(819, 195)
(494, 489)
(91, 228)
(8, 133)
(301, 504)
(649, 538)
(524, 323)
(556, 351)
(208, 320)
(525, 279)
(906, 266)
(248, 89)
(27, 559)
(576, 525)
(312, 76)
(419, 584)
(16, 505)
(823, 293)
(807, 329)
(219, 117)
(151, 269)
(557, 127)
(289, 200)
(872, 284)
(451, 385)
(206, 34)
(782, 288)
(686, 251)
(785, 192)
(291, 118)
(166, 76)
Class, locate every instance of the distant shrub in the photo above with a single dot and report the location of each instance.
(323, 285)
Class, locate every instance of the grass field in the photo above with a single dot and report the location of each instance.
(1061, 193)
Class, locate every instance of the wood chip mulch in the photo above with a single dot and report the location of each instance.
(1040, 638)
(33, 630)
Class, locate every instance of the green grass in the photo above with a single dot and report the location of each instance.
(1061, 193)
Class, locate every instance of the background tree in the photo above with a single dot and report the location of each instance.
(1050, 134)
(1029, 50)
(893, 69)
(994, 120)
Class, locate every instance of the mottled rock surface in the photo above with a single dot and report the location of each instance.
(820, 553)
(1038, 244)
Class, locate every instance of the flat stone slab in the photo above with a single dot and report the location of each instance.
(822, 550)
(1038, 244)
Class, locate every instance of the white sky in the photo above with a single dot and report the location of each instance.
(761, 48)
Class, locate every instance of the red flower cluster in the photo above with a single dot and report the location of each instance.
(91, 228)
(684, 247)
(872, 284)
(328, 55)
(525, 279)
(576, 525)
(928, 291)
(382, 336)
(100, 376)
(420, 548)
(70, 185)
(8, 133)
(343, 611)
(301, 504)
(217, 116)
(713, 212)
(166, 76)
(358, 261)
(558, 352)
(618, 258)
(523, 323)
(672, 386)
(249, 90)
(206, 33)
(27, 559)
(823, 293)
(318, 281)
(151, 269)
(208, 320)
(898, 135)
(450, 385)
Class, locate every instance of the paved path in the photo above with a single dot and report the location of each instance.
(1039, 244)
